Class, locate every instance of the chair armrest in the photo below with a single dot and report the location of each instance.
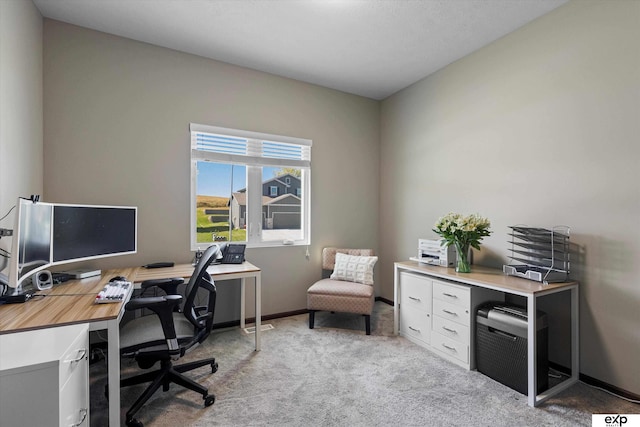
(153, 302)
(163, 307)
(169, 286)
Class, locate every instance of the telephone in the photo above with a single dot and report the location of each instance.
(233, 254)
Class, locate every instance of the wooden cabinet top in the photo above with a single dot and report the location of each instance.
(490, 278)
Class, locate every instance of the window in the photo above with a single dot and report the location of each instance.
(249, 187)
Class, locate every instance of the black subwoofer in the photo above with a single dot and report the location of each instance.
(501, 345)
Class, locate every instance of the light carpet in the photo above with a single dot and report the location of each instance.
(335, 375)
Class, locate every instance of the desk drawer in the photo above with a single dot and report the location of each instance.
(453, 294)
(76, 356)
(450, 329)
(416, 324)
(415, 291)
(452, 312)
(74, 397)
(451, 348)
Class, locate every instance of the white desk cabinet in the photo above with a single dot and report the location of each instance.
(44, 377)
(438, 315)
(448, 302)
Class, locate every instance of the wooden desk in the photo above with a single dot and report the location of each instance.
(218, 272)
(494, 279)
(73, 303)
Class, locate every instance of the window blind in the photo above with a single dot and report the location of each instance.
(216, 144)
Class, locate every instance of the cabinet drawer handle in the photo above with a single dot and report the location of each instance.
(449, 348)
(449, 295)
(83, 414)
(453, 331)
(414, 329)
(450, 312)
(81, 355)
(415, 299)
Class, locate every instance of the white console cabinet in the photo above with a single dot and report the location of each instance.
(44, 377)
(435, 307)
(439, 315)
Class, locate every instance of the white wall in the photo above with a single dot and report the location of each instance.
(117, 116)
(20, 106)
(539, 128)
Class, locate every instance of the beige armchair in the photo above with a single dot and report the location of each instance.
(349, 289)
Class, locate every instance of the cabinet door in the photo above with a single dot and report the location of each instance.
(415, 324)
(415, 307)
(415, 291)
(29, 395)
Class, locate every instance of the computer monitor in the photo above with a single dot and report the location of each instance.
(49, 234)
(31, 245)
(88, 232)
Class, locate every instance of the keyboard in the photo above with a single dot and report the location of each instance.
(115, 291)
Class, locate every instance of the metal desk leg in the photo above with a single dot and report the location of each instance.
(575, 335)
(242, 307)
(258, 309)
(113, 352)
(532, 362)
(396, 300)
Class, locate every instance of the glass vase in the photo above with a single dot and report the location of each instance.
(462, 258)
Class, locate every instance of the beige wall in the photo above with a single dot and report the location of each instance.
(539, 128)
(20, 106)
(117, 116)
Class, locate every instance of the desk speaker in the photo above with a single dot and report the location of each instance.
(43, 280)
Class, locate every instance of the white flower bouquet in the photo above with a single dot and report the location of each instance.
(463, 232)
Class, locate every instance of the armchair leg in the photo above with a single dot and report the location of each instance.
(312, 317)
(367, 323)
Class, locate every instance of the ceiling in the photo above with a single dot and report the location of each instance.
(371, 48)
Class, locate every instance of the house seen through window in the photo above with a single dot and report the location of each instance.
(248, 187)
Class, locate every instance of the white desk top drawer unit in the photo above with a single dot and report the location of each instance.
(44, 377)
(451, 321)
(415, 311)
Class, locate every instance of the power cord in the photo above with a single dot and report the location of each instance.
(7, 214)
(61, 295)
(612, 393)
(557, 374)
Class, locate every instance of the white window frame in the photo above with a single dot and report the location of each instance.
(256, 156)
(273, 190)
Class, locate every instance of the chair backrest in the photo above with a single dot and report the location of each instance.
(329, 256)
(201, 317)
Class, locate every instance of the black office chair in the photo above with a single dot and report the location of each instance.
(170, 334)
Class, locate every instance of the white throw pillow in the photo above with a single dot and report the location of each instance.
(354, 268)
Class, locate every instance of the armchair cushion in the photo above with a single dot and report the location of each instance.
(354, 268)
(341, 296)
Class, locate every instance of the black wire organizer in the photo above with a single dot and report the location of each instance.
(539, 254)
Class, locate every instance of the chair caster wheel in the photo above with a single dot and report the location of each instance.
(209, 400)
(214, 367)
(134, 423)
